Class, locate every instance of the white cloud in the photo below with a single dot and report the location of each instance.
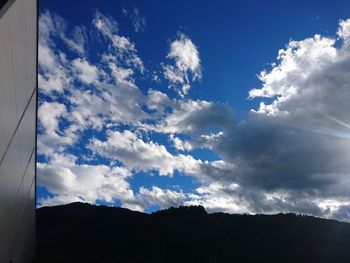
(307, 123)
(120, 74)
(89, 109)
(157, 100)
(69, 181)
(87, 73)
(62, 123)
(54, 75)
(218, 198)
(175, 76)
(292, 154)
(195, 117)
(107, 104)
(186, 55)
(180, 144)
(106, 25)
(164, 198)
(126, 52)
(49, 113)
(344, 32)
(136, 154)
(52, 137)
(187, 62)
(297, 64)
(77, 41)
(122, 43)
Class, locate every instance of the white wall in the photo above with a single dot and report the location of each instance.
(17, 130)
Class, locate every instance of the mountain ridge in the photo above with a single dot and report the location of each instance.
(80, 232)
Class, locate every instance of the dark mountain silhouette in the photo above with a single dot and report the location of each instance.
(85, 233)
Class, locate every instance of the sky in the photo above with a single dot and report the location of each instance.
(238, 106)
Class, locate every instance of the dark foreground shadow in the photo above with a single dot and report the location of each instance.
(84, 233)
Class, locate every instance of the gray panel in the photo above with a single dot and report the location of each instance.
(22, 196)
(23, 244)
(22, 26)
(18, 47)
(10, 180)
(26, 132)
(23, 193)
(15, 164)
(8, 111)
(18, 54)
(31, 16)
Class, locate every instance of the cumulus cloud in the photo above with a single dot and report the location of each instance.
(53, 76)
(111, 97)
(69, 181)
(99, 101)
(179, 144)
(216, 197)
(187, 64)
(295, 145)
(53, 72)
(49, 113)
(164, 198)
(289, 154)
(298, 63)
(195, 117)
(136, 154)
(51, 138)
(86, 72)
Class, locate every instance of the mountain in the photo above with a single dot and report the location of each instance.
(80, 232)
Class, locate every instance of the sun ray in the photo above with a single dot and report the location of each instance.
(336, 120)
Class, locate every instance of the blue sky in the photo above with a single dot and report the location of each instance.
(240, 36)
(154, 104)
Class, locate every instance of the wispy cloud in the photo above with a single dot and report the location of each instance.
(138, 20)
